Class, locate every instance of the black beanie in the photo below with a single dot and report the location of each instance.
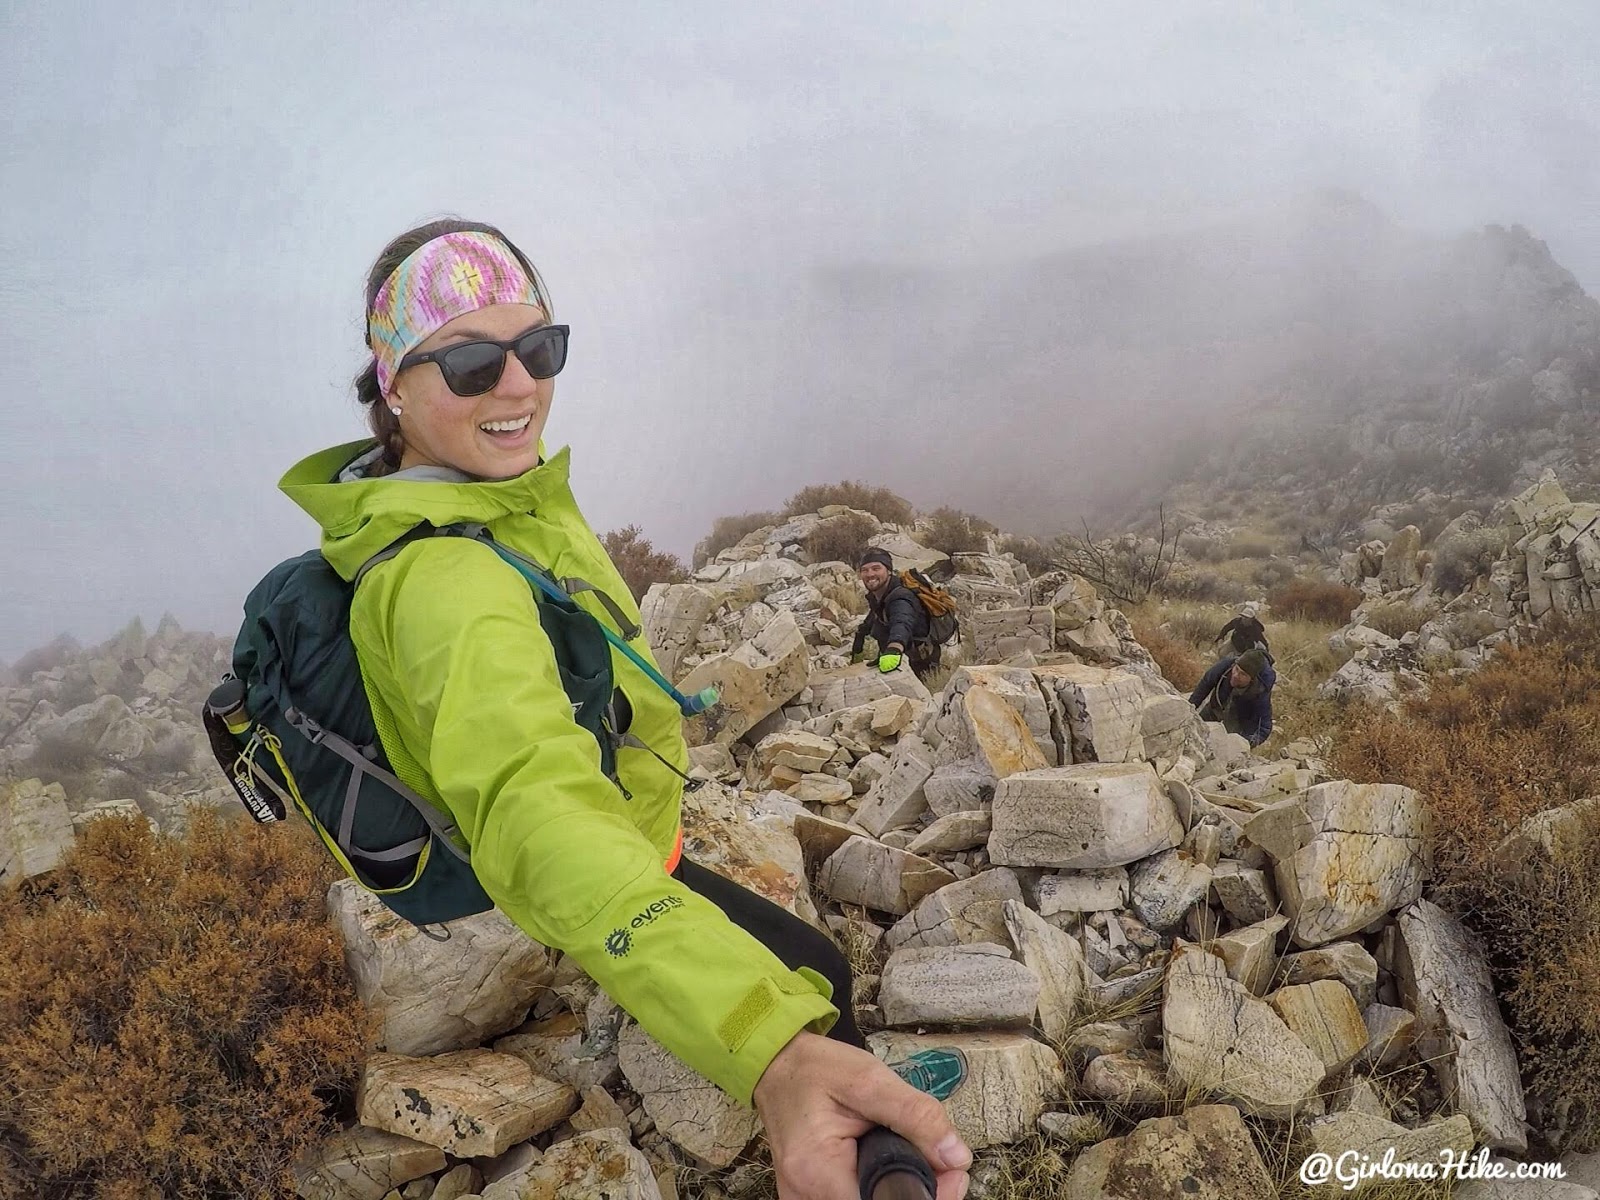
(1252, 663)
(876, 556)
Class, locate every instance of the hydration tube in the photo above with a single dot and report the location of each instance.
(689, 706)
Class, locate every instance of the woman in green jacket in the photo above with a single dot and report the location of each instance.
(472, 714)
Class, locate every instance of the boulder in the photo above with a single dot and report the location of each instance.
(956, 832)
(755, 680)
(898, 798)
(983, 731)
(673, 615)
(1104, 711)
(555, 1048)
(880, 877)
(1345, 854)
(1103, 889)
(1008, 1079)
(35, 829)
(1324, 1016)
(1445, 981)
(1206, 1153)
(433, 994)
(1399, 570)
(1220, 1039)
(1350, 1138)
(1001, 633)
(1165, 886)
(690, 1110)
(977, 985)
(959, 914)
(795, 748)
(598, 1165)
(1134, 1078)
(1087, 815)
(468, 1103)
(817, 788)
(1250, 954)
(1057, 960)
(863, 684)
(1344, 961)
(757, 850)
(1391, 1033)
(361, 1164)
(1243, 891)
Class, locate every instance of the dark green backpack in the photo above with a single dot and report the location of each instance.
(291, 726)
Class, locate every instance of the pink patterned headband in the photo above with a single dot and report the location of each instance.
(441, 280)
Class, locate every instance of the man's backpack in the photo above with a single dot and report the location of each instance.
(940, 605)
(291, 726)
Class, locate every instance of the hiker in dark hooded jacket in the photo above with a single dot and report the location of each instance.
(895, 619)
(1237, 691)
(1244, 632)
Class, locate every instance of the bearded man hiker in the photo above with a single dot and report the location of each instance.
(895, 619)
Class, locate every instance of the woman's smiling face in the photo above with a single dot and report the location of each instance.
(491, 436)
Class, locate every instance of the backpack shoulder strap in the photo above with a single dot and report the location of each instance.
(480, 533)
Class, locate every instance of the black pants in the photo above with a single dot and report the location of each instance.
(796, 943)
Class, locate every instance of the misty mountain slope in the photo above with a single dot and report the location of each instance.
(1323, 343)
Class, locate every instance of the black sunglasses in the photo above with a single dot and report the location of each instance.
(472, 368)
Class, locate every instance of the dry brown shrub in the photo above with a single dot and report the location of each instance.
(176, 1020)
(1486, 752)
(1030, 552)
(879, 501)
(1177, 659)
(840, 539)
(640, 563)
(1315, 600)
(952, 531)
(730, 531)
(1397, 619)
(1247, 546)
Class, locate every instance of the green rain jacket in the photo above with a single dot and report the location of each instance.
(471, 712)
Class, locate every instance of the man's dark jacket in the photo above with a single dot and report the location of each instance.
(897, 617)
(1245, 711)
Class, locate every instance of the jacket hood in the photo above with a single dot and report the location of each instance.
(362, 516)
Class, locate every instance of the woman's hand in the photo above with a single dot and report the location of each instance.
(818, 1096)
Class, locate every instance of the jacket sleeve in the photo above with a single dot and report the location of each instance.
(1208, 681)
(901, 614)
(1263, 719)
(861, 636)
(551, 839)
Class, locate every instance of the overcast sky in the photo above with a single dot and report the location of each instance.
(193, 194)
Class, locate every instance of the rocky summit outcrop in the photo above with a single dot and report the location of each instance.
(110, 726)
(1051, 876)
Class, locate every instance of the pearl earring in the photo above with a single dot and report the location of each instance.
(395, 409)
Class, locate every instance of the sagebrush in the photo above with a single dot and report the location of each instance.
(879, 501)
(1486, 751)
(730, 531)
(1315, 600)
(176, 1020)
(840, 539)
